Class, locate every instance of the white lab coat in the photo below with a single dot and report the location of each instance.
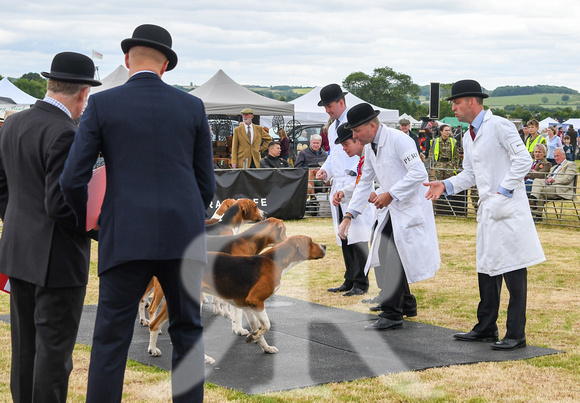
(336, 166)
(362, 229)
(398, 169)
(506, 235)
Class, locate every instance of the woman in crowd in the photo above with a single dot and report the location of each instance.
(284, 144)
(324, 135)
(553, 143)
(540, 168)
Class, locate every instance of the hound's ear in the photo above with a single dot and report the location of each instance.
(282, 230)
(242, 208)
(304, 246)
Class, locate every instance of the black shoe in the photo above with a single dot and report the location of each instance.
(476, 336)
(384, 324)
(354, 291)
(342, 288)
(410, 312)
(374, 300)
(376, 308)
(508, 344)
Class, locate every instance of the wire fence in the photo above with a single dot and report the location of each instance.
(547, 211)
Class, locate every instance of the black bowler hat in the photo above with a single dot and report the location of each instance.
(343, 134)
(72, 67)
(330, 93)
(359, 114)
(152, 36)
(466, 88)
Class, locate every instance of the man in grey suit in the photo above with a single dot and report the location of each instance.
(42, 251)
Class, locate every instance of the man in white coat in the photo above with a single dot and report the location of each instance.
(405, 240)
(341, 169)
(496, 161)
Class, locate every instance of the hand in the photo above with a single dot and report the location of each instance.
(372, 197)
(550, 180)
(337, 198)
(383, 200)
(436, 189)
(343, 229)
(321, 174)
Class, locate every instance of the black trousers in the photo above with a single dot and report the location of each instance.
(44, 325)
(355, 257)
(489, 294)
(395, 294)
(120, 289)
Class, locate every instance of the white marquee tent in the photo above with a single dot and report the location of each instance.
(308, 111)
(575, 122)
(119, 76)
(548, 122)
(9, 90)
(223, 96)
(414, 122)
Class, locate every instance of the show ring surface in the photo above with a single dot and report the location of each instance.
(317, 345)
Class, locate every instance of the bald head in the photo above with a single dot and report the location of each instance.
(141, 58)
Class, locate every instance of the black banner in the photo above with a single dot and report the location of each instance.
(279, 192)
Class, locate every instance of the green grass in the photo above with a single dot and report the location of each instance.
(302, 91)
(554, 101)
(449, 300)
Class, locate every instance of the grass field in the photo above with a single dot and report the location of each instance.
(554, 101)
(449, 299)
(302, 91)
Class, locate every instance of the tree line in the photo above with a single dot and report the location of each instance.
(31, 83)
(388, 89)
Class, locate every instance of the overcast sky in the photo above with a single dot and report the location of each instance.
(309, 42)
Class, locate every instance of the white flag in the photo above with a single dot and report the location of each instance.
(97, 55)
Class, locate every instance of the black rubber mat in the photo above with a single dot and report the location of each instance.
(317, 344)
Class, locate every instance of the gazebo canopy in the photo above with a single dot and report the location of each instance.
(119, 76)
(223, 96)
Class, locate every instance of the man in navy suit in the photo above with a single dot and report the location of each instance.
(156, 144)
(42, 251)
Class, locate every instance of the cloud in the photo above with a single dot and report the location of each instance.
(312, 43)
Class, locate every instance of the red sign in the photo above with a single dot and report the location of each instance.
(96, 189)
(4, 283)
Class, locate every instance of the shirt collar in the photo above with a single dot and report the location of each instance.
(60, 106)
(378, 135)
(478, 120)
(144, 71)
(342, 117)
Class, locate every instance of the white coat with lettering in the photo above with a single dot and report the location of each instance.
(398, 169)
(506, 235)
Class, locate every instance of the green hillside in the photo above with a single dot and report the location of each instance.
(554, 101)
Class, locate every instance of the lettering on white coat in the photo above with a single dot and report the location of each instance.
(410, 158)
(518, 147)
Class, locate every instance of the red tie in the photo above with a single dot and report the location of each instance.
(471, 132)
(359, 169)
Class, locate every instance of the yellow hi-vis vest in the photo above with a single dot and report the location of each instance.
(531, 144)
(436, 149)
